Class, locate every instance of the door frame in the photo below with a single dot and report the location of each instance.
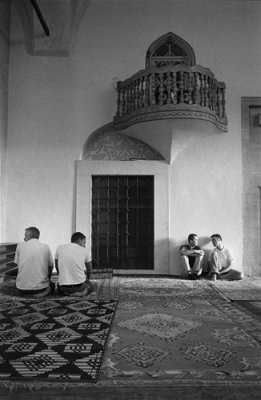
(160, 170)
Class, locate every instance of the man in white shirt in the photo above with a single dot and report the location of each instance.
(220, 261)
(35, 265)
(73, 264)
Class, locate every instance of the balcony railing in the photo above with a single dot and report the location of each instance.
(172, 91)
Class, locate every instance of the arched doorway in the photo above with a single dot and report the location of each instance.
(118, 176)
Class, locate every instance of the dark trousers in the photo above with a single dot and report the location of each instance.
(52, 287)
(69, 289)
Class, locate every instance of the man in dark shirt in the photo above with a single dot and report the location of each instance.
(191, 257)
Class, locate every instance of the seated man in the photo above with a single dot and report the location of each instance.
(73, 265)
(35, 265)
(191, 257)
(220, 261)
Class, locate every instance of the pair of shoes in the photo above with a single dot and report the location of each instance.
(196, 277)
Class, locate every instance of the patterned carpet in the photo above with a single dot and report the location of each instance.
(170, 339)
(251, 307)
(171, 332)
(53, 339)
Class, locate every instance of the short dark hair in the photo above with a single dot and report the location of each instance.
(216, 235)
(77, 237)
(191, 236)
(34, 232)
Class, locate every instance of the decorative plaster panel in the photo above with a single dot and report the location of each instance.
(113, 146)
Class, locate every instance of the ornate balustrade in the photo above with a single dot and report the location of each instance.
(172, 91)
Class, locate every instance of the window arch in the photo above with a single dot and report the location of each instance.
(170, 49)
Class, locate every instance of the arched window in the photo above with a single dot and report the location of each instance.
(169, 49)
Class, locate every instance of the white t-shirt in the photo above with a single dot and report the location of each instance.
(224, 256)
(33, 259)
(71, 263)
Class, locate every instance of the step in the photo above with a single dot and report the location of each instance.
(7, 265)
(6, 258)
(7, 247)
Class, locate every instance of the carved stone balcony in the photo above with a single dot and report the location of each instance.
(171, 92)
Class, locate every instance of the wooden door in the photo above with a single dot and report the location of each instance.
(123, 221)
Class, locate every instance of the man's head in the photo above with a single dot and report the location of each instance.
(31, 233)
(193, 239)
(79, 239)
(216, 239)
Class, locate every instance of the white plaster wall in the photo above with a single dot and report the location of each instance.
(206, 196)
(55, 103)
(4, 58)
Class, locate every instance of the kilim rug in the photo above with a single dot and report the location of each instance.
(59, 339)
(177, 332)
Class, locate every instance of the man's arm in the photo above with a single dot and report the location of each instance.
(56, 266)
(50, 263)
(191, 252)
(88, 271)
(229, 259)
(197, 253)
(227, 268)
(16, 257)
(50, 271)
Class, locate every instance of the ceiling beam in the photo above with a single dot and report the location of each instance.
(40, 16)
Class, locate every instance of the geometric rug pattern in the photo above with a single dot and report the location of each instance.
(53, 339)
(178, 332)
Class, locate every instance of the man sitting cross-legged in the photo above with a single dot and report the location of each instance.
(35, 265)
(220, 261)
(191, 257)
(73, 264)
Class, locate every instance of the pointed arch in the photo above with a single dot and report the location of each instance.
(170, 49)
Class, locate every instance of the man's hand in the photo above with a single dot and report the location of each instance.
(225, 269)
(198, 253)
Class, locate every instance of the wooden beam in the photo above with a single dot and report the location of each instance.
(40, 16)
